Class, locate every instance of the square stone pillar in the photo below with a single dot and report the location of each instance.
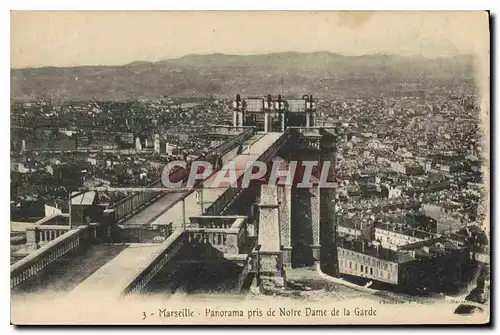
(240, 119)
(271, 271)
(235, 118)
(269, 219)
(266, 121)
(285, 212)
(31, 236)
(232, 243)
(329, 262)
(109, 228)
(200, 200)
(315, 222)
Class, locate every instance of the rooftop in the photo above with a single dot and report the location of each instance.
(86, 198)
(404, 230)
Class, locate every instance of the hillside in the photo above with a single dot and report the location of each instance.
(323, 73)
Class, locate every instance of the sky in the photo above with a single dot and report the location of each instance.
(44, 38)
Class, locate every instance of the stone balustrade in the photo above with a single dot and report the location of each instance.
(169, 248)
(35, 262)
(226, 234)
(44, 234)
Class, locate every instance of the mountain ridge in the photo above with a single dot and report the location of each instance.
(221, 74)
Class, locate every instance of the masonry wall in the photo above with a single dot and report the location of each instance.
(358, 264)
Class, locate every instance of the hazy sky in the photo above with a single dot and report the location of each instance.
(115, 38)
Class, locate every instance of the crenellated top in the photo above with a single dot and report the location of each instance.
(279, 103)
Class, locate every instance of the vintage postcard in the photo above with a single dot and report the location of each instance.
(223, 168)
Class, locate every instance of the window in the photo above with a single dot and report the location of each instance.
(361, 268)
(371, 271)
(350, 265)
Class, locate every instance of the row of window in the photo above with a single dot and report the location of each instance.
(366, 270)
(366, 260)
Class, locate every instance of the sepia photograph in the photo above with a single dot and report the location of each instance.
(250, 168)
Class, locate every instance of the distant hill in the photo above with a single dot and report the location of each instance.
(320, 73)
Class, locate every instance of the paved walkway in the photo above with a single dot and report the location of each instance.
(114, 276)
(66, 273)
(252, 149)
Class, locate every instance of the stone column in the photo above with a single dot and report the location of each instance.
(266, 121)
(282, 122)
(329, 262)
(201, 201)
(308, 119)
(235, 118)
(315, 222)
(232, 243)
(285, 212)
(183, 213)
(269, 219)
(109, 225)
(31, 236)
(240, 118)
(271, 268)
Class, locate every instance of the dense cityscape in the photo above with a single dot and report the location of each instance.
(409, 166)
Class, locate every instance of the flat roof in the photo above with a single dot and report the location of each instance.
(86, 198)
